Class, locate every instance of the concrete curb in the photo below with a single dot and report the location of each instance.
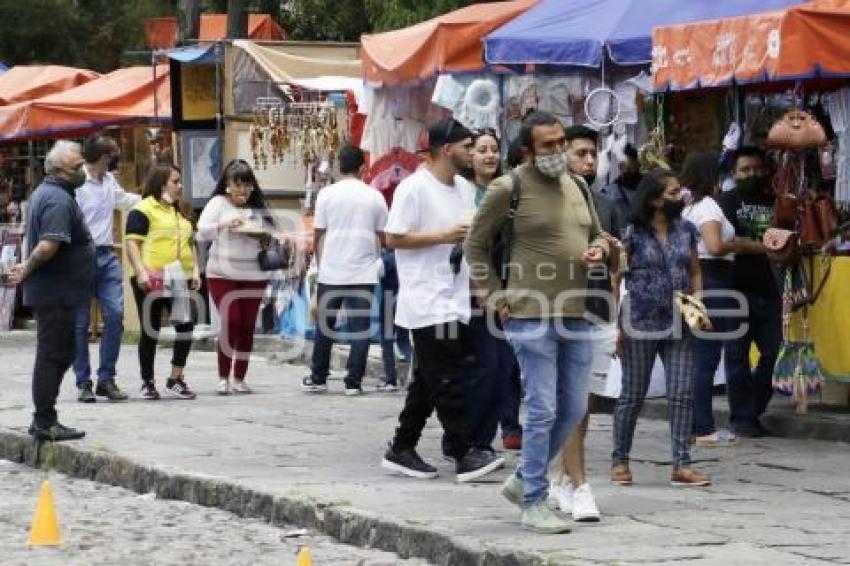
(819, 424)
(350, 526)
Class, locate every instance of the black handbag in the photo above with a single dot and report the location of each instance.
(274, 256)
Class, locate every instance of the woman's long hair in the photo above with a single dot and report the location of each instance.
(701, 174)
(158, 176)
(650, 188)
(239, 171)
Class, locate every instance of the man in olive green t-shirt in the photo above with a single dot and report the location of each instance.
(556, 238)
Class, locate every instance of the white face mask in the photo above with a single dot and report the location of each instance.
(167, 198)
(551, 165)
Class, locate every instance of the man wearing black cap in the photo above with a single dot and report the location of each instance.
(431, 212)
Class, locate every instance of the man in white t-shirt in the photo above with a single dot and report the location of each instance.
(349, 228)
(431, 212)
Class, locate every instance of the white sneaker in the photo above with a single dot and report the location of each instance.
(239, 386)
(584, 507)
(561, 496)
(223, 387)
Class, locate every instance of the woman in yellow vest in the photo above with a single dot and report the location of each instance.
(164, 270)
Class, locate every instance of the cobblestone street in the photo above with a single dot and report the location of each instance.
(108, 525)
(773, 501)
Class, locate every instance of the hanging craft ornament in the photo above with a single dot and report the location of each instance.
(602, 107)
(651, 153)
(481, 108)
(796, 130)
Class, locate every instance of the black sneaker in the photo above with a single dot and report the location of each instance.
(477, 464)
(149, 391)
(110, 391)
(86, 395)
(56, 433)
(310, 386)
(409, 463)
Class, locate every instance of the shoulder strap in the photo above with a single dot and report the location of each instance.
(515, 188)
(582, 186)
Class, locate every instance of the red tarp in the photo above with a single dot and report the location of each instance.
(122, 96)
(449, 43)
(805, 41)
(27, 82)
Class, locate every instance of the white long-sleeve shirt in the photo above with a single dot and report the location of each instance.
(232, 255)
(98, 199)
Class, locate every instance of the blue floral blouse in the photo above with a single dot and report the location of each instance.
(655, 271)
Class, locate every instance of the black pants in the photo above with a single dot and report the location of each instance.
(54, 355)
(438, 383)
(151, 323)
(488, 378)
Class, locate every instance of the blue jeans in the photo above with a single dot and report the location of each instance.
(109, 292)
(554, 357)
(358, 300)
(750, 390)
(708, 350)
(390, 335)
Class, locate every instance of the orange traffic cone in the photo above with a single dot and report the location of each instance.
(45, 527)
(305, 557)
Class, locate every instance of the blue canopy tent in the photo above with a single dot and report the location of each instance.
(558, 32)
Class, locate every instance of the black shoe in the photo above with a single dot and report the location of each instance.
(57, 433)
(86, 395)
(310, 386)
(409, 463)
(110, 391)
(477, 464)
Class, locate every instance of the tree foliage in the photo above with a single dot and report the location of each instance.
(101, 34)
(93, 34)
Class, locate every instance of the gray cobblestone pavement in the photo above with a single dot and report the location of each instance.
(773, 501)
(105, 525)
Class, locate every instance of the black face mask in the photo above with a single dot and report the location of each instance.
(751, 189)
(630, 180)
(589, 179)
(113, 163)
(672, 209)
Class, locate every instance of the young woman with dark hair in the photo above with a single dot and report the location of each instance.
(159, 244)
(495, 380)
(236, 221)
(662, 259)
(716, 249)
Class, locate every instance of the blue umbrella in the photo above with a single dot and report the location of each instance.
(567, 32)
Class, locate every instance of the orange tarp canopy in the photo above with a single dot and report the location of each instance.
(805, 41)
(449, 43)
(260, 27)
(122, 96)
(28, 82)
(161, 33)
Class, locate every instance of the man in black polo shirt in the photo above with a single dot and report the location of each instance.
(57, 277)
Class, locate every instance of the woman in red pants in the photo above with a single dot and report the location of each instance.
(236, 220)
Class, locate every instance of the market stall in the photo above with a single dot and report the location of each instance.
(778, 61)
(131, 104)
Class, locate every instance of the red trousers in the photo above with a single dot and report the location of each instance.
(238, 314)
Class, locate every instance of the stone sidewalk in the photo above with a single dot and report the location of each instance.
(313, 461)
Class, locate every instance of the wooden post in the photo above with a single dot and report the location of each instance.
(237, 20)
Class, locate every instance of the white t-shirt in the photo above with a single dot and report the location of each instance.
(707, 210)
(429, 293)
(350, 212)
